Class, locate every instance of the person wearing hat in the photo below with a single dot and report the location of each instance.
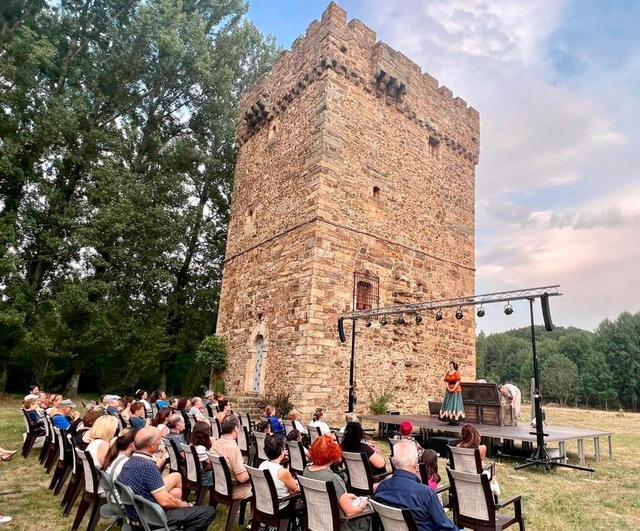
(64, 416)
(113, 405)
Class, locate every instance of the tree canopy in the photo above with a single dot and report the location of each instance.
(600, 368)
(116, 165)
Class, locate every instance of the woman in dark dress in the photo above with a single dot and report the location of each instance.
(353, 441)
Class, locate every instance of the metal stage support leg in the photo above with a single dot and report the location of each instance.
(610, 447)
(540, 457)
(596, 447)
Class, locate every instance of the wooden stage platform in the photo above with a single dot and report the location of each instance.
(557, 434)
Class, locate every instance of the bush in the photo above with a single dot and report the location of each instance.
(380, 404)
(281, 400)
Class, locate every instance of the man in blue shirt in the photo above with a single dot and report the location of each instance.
(62, 418)
(405, 490)
(142, 474)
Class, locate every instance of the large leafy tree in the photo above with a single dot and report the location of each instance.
(115, 173)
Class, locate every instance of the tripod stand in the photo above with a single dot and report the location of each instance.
(541, 457)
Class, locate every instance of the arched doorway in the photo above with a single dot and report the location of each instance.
(257, 372)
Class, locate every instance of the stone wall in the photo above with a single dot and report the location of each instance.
(350, 158)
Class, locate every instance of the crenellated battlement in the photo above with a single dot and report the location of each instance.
(350, 49)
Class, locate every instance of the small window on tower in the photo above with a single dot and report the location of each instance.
(434, 146)
(363, 296)
(250, 225)
(272, 135)
(376, 192)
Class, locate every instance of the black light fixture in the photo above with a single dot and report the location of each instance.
(368, 323)
(508, 309)
(459, 314)
(418, 318)
(439, 315)
(383, 321)
(480, 312)
(400, 320)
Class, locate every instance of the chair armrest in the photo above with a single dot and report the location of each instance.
(368, 511)
(380, 477)
(492, 468)
(290, 497)
(442, 488)
(501, 505)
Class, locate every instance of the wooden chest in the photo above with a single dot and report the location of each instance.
(482, 405)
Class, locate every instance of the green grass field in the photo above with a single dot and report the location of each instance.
(558, 500)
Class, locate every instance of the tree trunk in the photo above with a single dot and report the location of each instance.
(3, 377)
(74, 381)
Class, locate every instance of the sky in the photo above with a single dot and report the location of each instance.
(557, 85)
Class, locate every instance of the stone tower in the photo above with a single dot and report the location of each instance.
(350, 158)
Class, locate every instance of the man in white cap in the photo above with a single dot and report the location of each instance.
(113, 404)
(63, 417)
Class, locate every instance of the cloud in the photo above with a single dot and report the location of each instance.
(557, 194)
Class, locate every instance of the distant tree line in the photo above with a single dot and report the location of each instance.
(116, 164)
(593, 369)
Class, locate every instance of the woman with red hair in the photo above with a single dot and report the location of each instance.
(324, 452)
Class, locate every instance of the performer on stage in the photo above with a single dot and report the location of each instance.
(513, 396)
(452, 409)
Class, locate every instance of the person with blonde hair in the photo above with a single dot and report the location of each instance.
(294, 417)
(54, 402)
(36, 422)
(100, 436)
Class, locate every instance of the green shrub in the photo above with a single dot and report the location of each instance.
(380, 404)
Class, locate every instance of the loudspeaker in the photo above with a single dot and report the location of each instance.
(546, 313)
(343, 338)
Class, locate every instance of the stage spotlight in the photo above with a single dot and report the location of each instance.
(459, 314)
(508, 309)
(368, 324)
(400, 320)
(418, 318)
(439, 315)
(480, 312)
(383, 321)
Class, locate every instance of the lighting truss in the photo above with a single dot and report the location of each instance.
(473, 300)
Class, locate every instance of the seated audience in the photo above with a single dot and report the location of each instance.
(112, 403)
(353, 441)
(160, 420)
(295, 418)
(36, 422)
(224, 409)
(431, 464)
(404, 489)
(209, 398)
(65, 415)
(471, 439)
(277, 428)
(227, 447)
(138, 415)
(173, 404)
(176, 426)
(325, 452)
(184, 405)
(317, 422)
(286, 485)
(145, 479)
(406, 428)
(104, 429)
(160, 399)
(34, 390)
(141, 396)
(349, 417)
(119, 453)
(52, 403)
(201, 439)
(81, 437)
(295, 435)
(126, 408)
(264, 426)
(198, 411)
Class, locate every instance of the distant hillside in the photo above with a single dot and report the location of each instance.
(600, 368)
